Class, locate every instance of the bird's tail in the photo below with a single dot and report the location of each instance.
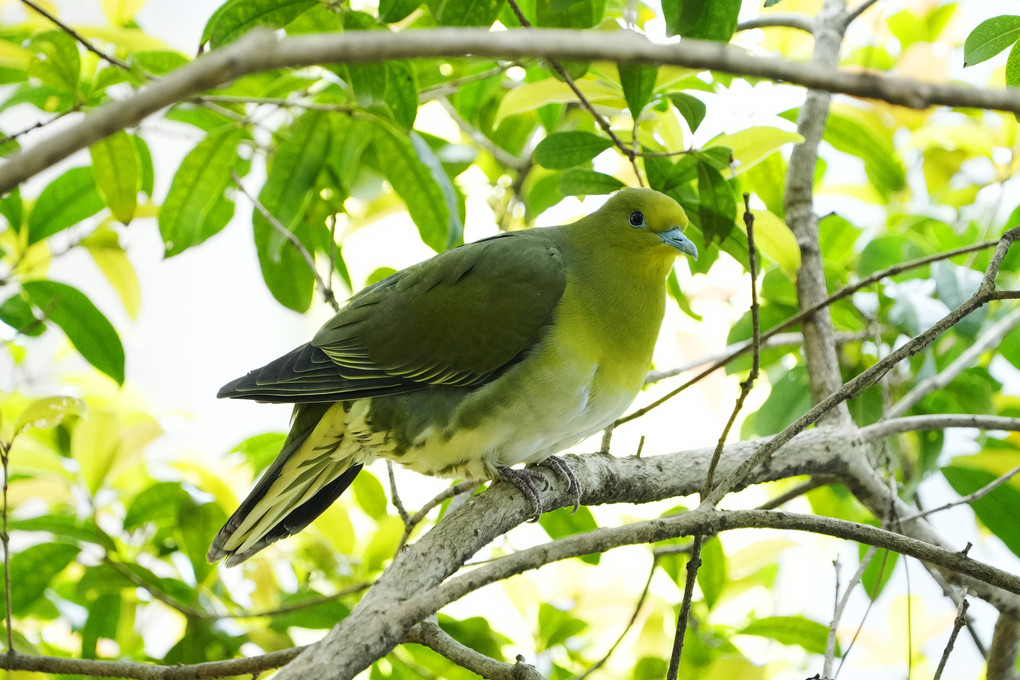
(306, 477)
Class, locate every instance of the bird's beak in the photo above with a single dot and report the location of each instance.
(674, 237)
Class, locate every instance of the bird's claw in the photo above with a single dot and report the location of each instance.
(562, 469)
(523, 480)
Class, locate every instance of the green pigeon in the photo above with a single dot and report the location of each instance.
(499, 352)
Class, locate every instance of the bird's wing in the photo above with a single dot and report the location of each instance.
(458, 319)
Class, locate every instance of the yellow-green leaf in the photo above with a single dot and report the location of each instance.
(773, 238)
(48, 412)
(115, 164)
(753, 145)
(105, 249)
(530, 96)
(95, 444)
(120, 12)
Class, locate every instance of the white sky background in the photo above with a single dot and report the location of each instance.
(206, 318)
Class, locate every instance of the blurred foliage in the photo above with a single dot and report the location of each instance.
(110, 546)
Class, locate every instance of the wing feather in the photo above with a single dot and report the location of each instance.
(459, 319)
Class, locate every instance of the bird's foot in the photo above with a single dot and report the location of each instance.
(523, 480)
(562, 469)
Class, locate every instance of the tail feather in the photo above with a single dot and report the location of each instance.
(306, 477)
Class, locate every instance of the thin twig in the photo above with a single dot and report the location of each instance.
(397, 503)
(324, 289)
(958, 623)
(857, 11)
(450, 492)
(969, 498)
(745, 388)
(600, 120)
(77, 36)
(429, 634)
(837, 612)
(800, 22)
(5, 538)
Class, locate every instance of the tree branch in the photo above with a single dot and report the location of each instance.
(1002, 654)
(429, 634)
(77, 36)
(261, 50)
(958, 623)
(144, 671)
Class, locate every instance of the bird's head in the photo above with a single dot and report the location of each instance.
(646, 219)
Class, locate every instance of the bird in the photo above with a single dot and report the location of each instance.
(496, 353)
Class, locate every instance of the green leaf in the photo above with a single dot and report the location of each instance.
(293, 170)
(368, 492)
(878, 572)
(791, 630)
(402, 92)
(954, 285)
(429, 158)
(18, 314)
(12, 209)
(196, 523)
(147, 178)
(584, 182)
(467, 12)
(391, 11)
(989, 38)
(556, 626)
(33, 569)
(702, 19)
(64, 202)
(996, 510)
(104, 246)
(753, 145)
(789, 399)
(49, 412)
(103, 619)
(1013, 66)
(115, 163)
(562, 150)
(863, 135)
(323, 615)
(712, 573)
(569, 13)
(234, 18)
(85, 326)
(638, 81)
(56, 62)
(160, 503)
(288, 277)
(66, 527)
(188, 215)
(159, 62)
(718, 204)
(262, 449)
(415, 183)
(563, 522)
(690, 107)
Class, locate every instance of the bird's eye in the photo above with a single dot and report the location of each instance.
(637, 219)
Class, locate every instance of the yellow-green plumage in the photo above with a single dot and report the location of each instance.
(499, 352)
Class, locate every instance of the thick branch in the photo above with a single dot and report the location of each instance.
(819, 336)
(262, 51)
(1003, 652)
